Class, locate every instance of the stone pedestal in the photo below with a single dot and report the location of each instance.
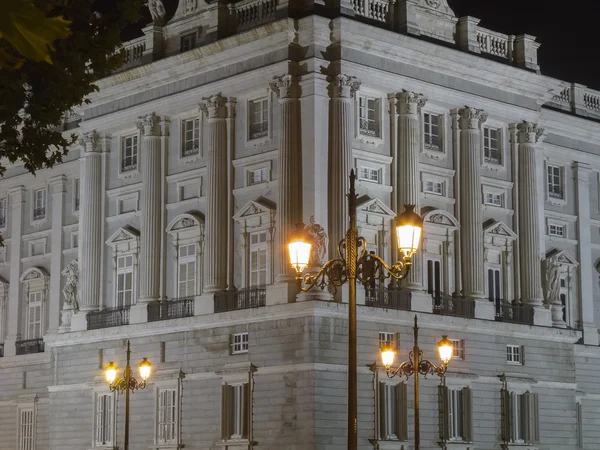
(542, 316)
(79, 321)
(65, 320)
(421, 302)
(484, 309)
(204, 304)
(138, 313)
(281, 292)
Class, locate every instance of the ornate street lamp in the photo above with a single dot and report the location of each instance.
(416, 365)
(127, 383)
(354, 262)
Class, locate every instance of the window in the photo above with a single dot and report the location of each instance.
(514, 354)
(129, 153)
(393, 411)
(235, 411)
(555, 188)
(259, 118)
(494, 285)
(34, 316)
(166, 423)
(239, 343)
(76, 194)
(387, 339)
(491, 146)
(258, 176)
(190, 137)
(493, 199)
(3, 209)
(455, 414)
(434, 279)
(124, 281)
(521, 420)
(369, 174)
(368, 116)
(74, 239)
(104, 420)
(186, 284)
(434, 187)
(458, 348)
(26, 429)
(258, 259)
(579, 425)
(556, 230)
(563, 295)
(431, 132)
(187, 42)
(39, 204)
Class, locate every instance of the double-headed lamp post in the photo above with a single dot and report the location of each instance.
(127, 383)
(354, 262)
(416, 365)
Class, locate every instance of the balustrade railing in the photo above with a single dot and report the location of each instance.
(577, 99)
(252, 13)
(377, 10)
(515, 313)
(446, 305)
(493, 43)
(109, 317)
(243, 299)
(29, 346)
(134, 51)
(171, 309)
(381, 297)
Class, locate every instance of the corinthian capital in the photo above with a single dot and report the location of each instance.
(343, 86)
(284, 86)
(410, 102)
(471, 118)
(149, 124)
(214, 106)
(90, 141)
(529, 132)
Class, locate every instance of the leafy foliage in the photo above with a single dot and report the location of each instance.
(37, 94)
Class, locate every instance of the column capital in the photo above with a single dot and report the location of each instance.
(149, 124)
(471, 118)
(410, 102)
(90, 142)
(343, 86)
(285, 86)
(528, 132)
(214, 106)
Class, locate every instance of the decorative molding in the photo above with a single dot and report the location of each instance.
(214, 106)
(343, 86)
(471, 118)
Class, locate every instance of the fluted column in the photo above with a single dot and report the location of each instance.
(289, 181)
(90, 222)
(407, 161)
(529, 226)
(150, 255)
(215, 248)
(58, 190)
(341, 119)
(471, 229)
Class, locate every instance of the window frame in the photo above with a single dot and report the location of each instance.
(3, 212)
(258, 248)
(512, 360)
(183, 38)
(187, 260)
(377, 116)
(124, 271)
(41, 215)
(557, 225)
(168, 380)
(242, 345)
(123, 148)
(111, 417)
(559, 198)
(265, 115)
(391, 411)
(430, 146)
(491, 202)
(458, 349)
(162, 437)
(76, 195)
(487, 148)
(195, 151)
(390, 339)
(32, 427)
(125, 241)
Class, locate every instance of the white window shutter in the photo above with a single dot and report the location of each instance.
(402, 412)
(443, 412)
(467, 411)
(100, 420)
(226, 411)
(506, 410)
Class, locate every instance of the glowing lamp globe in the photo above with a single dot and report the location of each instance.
(387, 356)
(409, 226)
(445, 348)
(299, 248)
(145, 369)
(111, 372)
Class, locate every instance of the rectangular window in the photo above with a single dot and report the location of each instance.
(3, 210)
(124, 281)
(434, 187)
(368, 116)
(258, 259)
(431, 132)
(521, 418)
(555, 187)
(514, 354)
(239, 343)
(494, 285)
(393, 411)
(39, 203)
(166, 423)
(434, 279)
(455, 414)
(235, 409)
(579, 425)
(387, 339)
(190, 137)
(76, 194)
(491, 146)
(564, 295)
(34, 316)
(259, 118)
(129, 153)
(369, 174)
(258, 176)
(187, 42)
(458, 348)
(493, 199)
(187, 271)
(26, 429)
(556, 230)
(104, 420)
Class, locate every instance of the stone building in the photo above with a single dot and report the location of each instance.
(232, 122)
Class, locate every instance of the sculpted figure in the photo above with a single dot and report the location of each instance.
(551, 278)
(320, 242)
(157, 11)
(72, 280)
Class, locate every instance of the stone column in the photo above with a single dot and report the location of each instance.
(215, 248)
(394, 173)
(456, 186)
(529, 224)
(582, 184)
(471, 228)
(407, 169)
(57, 189)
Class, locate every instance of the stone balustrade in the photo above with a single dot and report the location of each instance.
(251, 13)
(377, 10)
(578, 99)
(134, 52)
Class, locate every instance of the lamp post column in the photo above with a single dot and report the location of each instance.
(127, 389)
(416, 359)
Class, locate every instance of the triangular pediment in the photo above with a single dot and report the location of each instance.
(500, 229)
(34, 273)
(124, 234)
(368, 205)
(440, 217)
(254, 208)
(186, 221)
(562, 257)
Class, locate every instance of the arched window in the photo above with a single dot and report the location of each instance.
(34, 306)
(125, 246)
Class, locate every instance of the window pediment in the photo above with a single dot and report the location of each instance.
(256, 213)
(438, 218)
(34, 274)
(562, 257)
(191, 221)
(125, 239)
(497, 233)
(372, 211)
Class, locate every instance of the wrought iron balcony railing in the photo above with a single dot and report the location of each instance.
(382, 297)
(109, 317)
(171, 309)
(515, 313)
(29, 346)
(39, 213)
(446, 305)
(253, 297)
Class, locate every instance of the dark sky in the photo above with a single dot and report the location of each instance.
(569, 32)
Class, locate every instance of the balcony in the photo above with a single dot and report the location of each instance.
(446, 305)
(382, 297)
(39, 213)
(514, 313)
(254, 297)
(109, 317)
(29, 346)
(171, 309)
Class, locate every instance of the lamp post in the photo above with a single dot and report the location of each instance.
(127, 383)
(417, 365)
(354, 262)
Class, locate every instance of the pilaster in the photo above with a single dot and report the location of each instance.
(57, 190)
(457, 172)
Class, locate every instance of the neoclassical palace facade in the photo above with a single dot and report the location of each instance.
(232, 122)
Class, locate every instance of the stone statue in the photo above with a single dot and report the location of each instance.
(71, 274)
(551, 279)
(320, 242)
(157, 11)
